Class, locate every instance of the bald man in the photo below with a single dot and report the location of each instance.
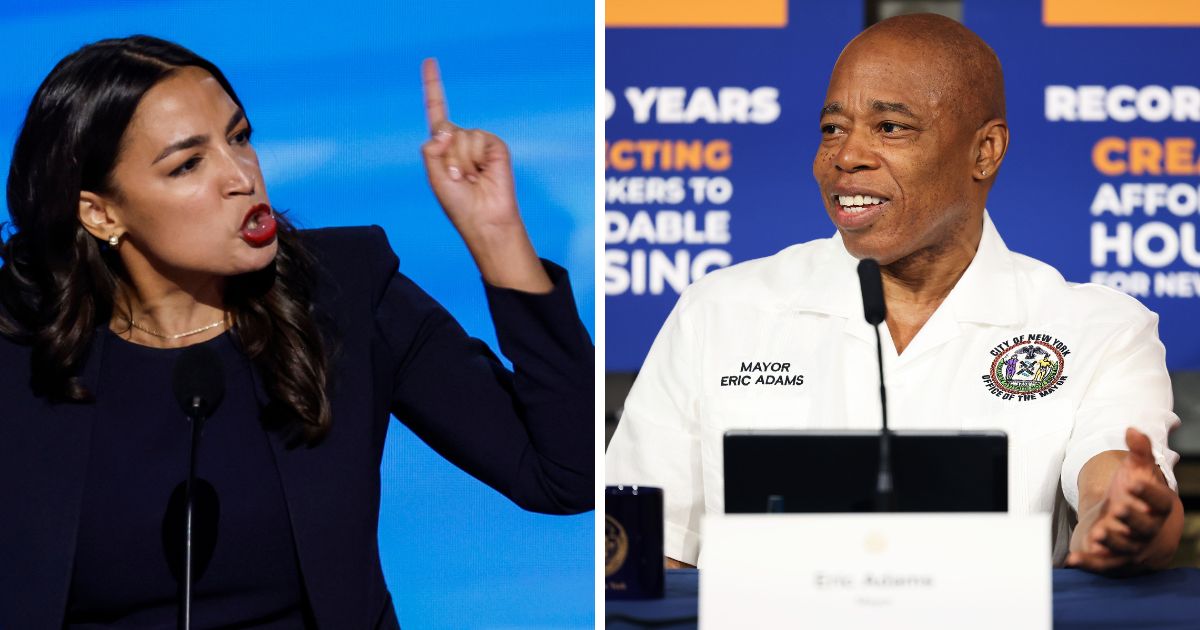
(913, 133)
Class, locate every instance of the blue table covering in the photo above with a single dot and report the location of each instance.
(1084, 601)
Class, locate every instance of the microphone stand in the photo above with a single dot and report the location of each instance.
(196, 415)
(199, 385)
(885, 498)
(870, 280)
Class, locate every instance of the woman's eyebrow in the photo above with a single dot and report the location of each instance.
(197, 140)
(186, 143)
(236, 118)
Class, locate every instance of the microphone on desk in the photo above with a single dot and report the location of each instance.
(199, 384)
(875, 311)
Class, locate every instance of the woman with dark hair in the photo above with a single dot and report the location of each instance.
(141, 227)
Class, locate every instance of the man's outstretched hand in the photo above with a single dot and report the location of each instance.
(1134, 525)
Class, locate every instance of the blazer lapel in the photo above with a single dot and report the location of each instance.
(329, 568)
(44, 468)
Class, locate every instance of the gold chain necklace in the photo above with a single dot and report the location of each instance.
(172, 337)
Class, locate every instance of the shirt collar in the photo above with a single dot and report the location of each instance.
(986, 293)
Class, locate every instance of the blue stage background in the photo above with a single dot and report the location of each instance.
(334, 92)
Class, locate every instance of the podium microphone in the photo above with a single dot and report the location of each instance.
(199, 383)
(875, 311)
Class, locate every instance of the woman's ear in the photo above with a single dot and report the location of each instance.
(97, 216)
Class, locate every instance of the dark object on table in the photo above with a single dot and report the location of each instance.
(933, 471)
(633, 542)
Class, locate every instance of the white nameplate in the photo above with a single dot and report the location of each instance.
(926, 571)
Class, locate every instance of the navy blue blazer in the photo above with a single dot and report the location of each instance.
(528, 435)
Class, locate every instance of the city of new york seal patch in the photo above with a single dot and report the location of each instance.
(1027, 367)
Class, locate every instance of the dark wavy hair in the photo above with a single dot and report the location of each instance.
(58, 282)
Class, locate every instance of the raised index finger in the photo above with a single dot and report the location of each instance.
(435, 97)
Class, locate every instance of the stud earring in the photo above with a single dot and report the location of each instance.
(983, 174)
(114, 240)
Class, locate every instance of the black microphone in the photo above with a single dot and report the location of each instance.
(875, 311)
(872, 291)
(199, 384)
(198, 381)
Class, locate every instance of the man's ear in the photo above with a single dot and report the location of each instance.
(97, 216)
(992, 144)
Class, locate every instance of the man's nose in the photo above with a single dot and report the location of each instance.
(855, 153)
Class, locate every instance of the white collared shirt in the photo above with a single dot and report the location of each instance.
(1089, 358)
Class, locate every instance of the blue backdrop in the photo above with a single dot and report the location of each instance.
(710, 136)
(1099, 197)
(334, 92)
(1070, 88)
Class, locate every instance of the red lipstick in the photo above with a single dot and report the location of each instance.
(258, 228)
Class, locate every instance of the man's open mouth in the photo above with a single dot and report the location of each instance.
(857, 203)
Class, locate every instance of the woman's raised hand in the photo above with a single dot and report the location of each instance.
(470, 172)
